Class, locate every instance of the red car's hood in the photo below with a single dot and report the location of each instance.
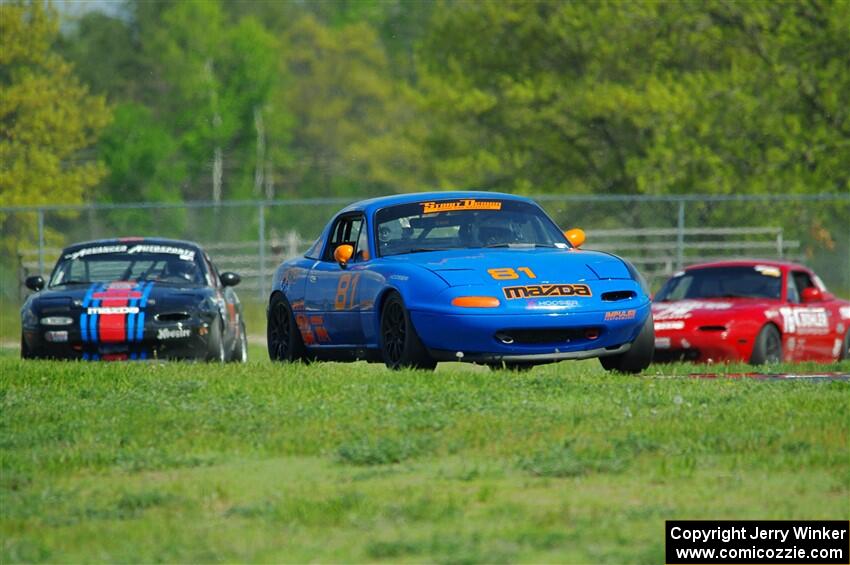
(708, 309)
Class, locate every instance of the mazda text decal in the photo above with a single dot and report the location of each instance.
(533, 290)
(112, 310)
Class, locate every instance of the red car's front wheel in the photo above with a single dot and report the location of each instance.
(768, 346)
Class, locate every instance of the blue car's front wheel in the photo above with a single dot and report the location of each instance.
(400, 346)
(638, 357)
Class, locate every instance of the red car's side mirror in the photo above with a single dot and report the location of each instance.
(811, 294)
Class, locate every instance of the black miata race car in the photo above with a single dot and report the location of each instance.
(134, 298)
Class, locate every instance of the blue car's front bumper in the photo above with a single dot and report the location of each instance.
(526, 337)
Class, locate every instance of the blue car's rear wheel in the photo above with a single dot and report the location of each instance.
(400, 346)
(282, 335)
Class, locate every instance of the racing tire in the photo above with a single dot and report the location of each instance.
(845, 348)
(768, 346)
(240, 349)
(400, 345)
(282, 335)
(215, 343)
(638, 357)
(515, 367)
(25, 349)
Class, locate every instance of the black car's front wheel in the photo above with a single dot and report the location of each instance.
(240, 349)
(215, 342)
(639, 355)
(26, 353)
(400, 345)
(282, 335)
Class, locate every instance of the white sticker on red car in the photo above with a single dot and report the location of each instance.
(768, 271)
(804, 320)
(685, 308)
(672, 325)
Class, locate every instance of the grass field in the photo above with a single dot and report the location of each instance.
(332, 462)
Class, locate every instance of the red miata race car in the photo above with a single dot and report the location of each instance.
(751, 311)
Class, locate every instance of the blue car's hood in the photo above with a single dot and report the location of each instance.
(460, 267)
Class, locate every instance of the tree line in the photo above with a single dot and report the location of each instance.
(231, 99)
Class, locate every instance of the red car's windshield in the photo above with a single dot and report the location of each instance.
(757, 281)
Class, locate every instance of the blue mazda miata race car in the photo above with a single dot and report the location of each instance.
(481, 277)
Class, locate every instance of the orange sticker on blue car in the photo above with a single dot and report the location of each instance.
(466, 204)
(620, 315)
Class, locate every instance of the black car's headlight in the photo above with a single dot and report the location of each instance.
(208, 306)
(57, 321)
(28, 317)
(644, 286)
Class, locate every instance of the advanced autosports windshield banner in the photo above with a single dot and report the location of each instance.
(754, 541)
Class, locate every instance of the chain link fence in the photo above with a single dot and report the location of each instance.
(660, 234)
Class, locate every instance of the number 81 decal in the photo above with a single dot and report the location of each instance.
(346, 292)
(509, 274)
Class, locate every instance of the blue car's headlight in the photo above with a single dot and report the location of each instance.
(637, 277)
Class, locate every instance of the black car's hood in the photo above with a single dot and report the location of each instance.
(158, 296)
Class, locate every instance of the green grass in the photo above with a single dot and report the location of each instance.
(10, 321)
(332, 462)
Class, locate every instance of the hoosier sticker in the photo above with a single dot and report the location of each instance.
(535, 290)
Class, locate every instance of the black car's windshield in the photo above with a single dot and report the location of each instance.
(129, 262)
(462, 224)
(757, 281)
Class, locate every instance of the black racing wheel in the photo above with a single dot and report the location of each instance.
(282, 334)
(845, 348)
(240, 348)
(400, 346)
(768, 346)
(26, 353)
(638, 357)
(215, 342)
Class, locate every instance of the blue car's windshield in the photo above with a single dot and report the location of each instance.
(129, 262)
(463, 224)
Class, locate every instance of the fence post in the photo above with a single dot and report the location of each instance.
(779, 243)
(680, 237)
(261, 209)
(41, 241)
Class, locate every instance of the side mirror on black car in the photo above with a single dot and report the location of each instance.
(230, 279)
(35, 283)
